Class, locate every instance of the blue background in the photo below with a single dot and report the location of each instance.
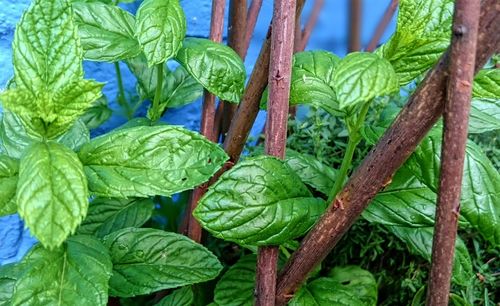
(329, 34)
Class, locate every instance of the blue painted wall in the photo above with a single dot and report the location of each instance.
(330, 34)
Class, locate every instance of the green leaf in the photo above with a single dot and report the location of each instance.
(180, 297)
(9, 172)
(360, 77)
(419, 242)
(146, 76)
(487, 84)
(149, 260)
(9, 274)
(260, 201)
(215, 66)
(52, 194)
(109, 215)
(484, 115)
(422, 34)
(160, 29)
(236, 286)
(106, 32)
(46, 60)
(179, 88)
(311, 171)
(76, 273)
(97, 114)
(149, 160)
(20, 101)
(347, 286)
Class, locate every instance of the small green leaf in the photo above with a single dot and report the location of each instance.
(347, 286)
(146, 76)
(149, 160)
(260, 201)
(9, 172)
(179, 88)
(97, 114)
(160, 29)
(52, 194)
(76, 273)
(215, 66)
(419, 242)
(109, 215)
(360, 77)
(484, 115)
(106, 32)
(180, 297)
(236, 286)
(149, 260)
(487, 84)
(311, 171)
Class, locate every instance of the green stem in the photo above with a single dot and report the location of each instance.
(121, 91)
(155, 109)
(354, 139)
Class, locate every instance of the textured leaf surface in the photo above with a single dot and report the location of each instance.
(419, 242)
(97, 114)
(259, 201)
(146, 76)
(76, 273)
(347, 286)
(109, 215)
(9, 171)
(487, 84)
(236, 286)
(106, 32)
(149, 160)
(180, 297)
(9, 274)
(148, 260)
(161, 27)
(215, 66)
(52, 194)
(484, 115)
(360, 77)
(179, 88)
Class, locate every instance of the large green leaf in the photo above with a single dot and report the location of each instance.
(215, 66)
(148, 260)
(160, 29)
(349, 286)
(484, 115)
(9, 171)
(260, 201)
(422, 34)
(9, 274)
(149, 160)
(76, 273)
(179, 88)
(311, 171)
(236, 286)
(52, 195)
(106, 32)
(97, 114)
(180, 297)
(360, 77)
(419, 242)
(109, 215)
(487, 84)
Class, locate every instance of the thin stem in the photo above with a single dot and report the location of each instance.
(355, 25)
(252, 16)
(311, 23)
(155, 108)
(456, 119)
(416, 118)
(122, 101)
(382, 26)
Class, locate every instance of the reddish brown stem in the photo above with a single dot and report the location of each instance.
(456, 121)
(382, 26)
(414, 121)
(252, 16)
(276, 129)
(207, 119)
(355, 11)
(311, 23)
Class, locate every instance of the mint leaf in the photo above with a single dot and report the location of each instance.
(9, 171)
(148, 260)
(51, 192)
(149, 160)
(76, 273)
(360, 77)
(484, 115)
(179, 297)
(179, 88)
(97, 114)
(146, 76)
(9, 274)
(260, 201)
(109, 215)
(160, 29)
(419, 242)
(236, 286)
(20, 101)
(106, 32)
(487, 84)
(215, 66)
(347, 286)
